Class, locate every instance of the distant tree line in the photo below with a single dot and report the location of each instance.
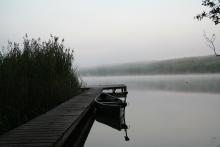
(196, 65)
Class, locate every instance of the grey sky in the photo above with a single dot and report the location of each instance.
(111, 31)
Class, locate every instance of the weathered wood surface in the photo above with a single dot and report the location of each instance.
(51, 128)
(121, 87)
(55, 127)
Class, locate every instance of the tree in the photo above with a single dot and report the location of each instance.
(210, 42)
(213, 13)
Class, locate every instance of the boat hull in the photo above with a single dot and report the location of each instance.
(108, 104)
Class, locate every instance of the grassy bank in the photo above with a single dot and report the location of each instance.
(33, 79)
(195, 65)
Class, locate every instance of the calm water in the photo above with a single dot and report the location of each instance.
(164, 111)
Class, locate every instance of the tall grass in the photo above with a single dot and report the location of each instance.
(34, 78)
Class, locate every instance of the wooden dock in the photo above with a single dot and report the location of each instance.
(59, 126)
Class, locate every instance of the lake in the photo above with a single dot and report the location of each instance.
(164, 111)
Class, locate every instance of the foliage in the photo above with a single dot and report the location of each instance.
(213, 13)
(195, 65)
(33, 79)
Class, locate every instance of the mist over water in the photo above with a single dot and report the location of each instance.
(205, 83)
(164, 111)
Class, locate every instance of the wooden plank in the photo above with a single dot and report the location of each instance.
(27, 145)
(55, 127)
(113, 87)
(49, 128)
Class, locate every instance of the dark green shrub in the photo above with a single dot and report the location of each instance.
(33, 79)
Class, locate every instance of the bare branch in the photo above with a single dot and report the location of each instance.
(210, 42)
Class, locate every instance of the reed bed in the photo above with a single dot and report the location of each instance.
(34, 77)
